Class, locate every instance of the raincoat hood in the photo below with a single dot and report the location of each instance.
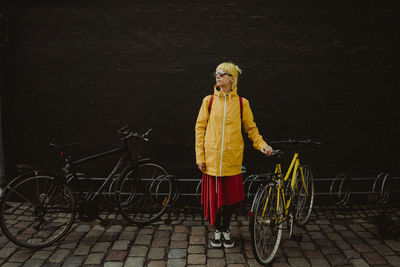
(218, 92)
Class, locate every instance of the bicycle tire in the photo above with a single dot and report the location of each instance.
(304, 202)
(144, 193)
(266, 234)
(36, 211)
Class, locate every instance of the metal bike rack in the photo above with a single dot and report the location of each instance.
(382, 187)
(339, 188)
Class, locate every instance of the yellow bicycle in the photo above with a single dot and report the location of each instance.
(281, 198)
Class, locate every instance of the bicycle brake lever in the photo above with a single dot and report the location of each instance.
(148, 131)
(123, 130)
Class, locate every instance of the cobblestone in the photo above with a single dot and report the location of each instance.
(373, 258)
(101, 246)
(73, 261)
(347, 240)
(156, 264)
(177, 253)
(41, 254)
(156, 253)
(198, 230)
(393, 260)
(120, 245)
(82, 249)
(176, 263)
(83, 228)
(33, 263)
(393, 244)
(319, 263)
(128, 235)
(134, 262)
(179, 244)
(94, 258)
(215, 253)
(117, 255)
(143, 240)
(196, 249)
(235, 258)
(138, 251)
(181, 229)
(215, 262)
(113, 264)
(197, 259)
(21, 256)
(6, 252)
(179, 237)
(359, 263)
(298, 262)
(197, 240)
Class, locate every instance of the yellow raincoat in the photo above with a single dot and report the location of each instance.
(219, 141)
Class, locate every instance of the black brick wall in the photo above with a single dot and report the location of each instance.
(325, 70)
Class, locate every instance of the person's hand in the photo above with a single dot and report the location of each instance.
(267, 150)
(202, 167)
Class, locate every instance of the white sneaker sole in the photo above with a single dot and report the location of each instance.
(229, 246)
(216, 245)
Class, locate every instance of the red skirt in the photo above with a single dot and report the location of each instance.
(229, 191)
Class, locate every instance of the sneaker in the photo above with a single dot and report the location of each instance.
(216, 241)
(228, 241)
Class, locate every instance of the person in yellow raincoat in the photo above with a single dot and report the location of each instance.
(219, 150)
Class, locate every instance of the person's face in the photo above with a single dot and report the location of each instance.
(223, 78)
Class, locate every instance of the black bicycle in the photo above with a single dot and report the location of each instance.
(38, 207)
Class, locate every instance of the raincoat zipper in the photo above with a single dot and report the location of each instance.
(222, 147)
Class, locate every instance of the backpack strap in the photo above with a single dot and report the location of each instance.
(210, 104)
(240, 101)
(241, 108)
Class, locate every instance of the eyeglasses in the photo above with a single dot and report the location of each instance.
(221, 73)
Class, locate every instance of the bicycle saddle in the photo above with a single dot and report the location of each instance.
(64, 146)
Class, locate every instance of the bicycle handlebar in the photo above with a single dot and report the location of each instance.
(128, 134)
(123, 130)
(295, 142)
(277, 152)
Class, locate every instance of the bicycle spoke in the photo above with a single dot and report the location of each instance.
(144, 193)
(265, 230)
(304, 197)
(21, 196)
(41, 222)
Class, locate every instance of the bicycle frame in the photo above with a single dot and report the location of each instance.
(120, 166)
(279, 179)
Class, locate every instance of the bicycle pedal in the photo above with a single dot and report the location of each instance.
(265, 222)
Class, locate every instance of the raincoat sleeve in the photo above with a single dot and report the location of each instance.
(250, 127)
(200, 128)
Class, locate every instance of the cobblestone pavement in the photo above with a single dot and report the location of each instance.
(333, 237)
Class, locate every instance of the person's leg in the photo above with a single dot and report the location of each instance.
(218, 223)
(227, 216)
(216, 240)
(226, 220)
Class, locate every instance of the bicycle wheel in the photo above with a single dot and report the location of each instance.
(304, 196)
(36, 211)
(144, 193)
(266, 230)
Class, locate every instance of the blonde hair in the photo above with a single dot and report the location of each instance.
(232, 69)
